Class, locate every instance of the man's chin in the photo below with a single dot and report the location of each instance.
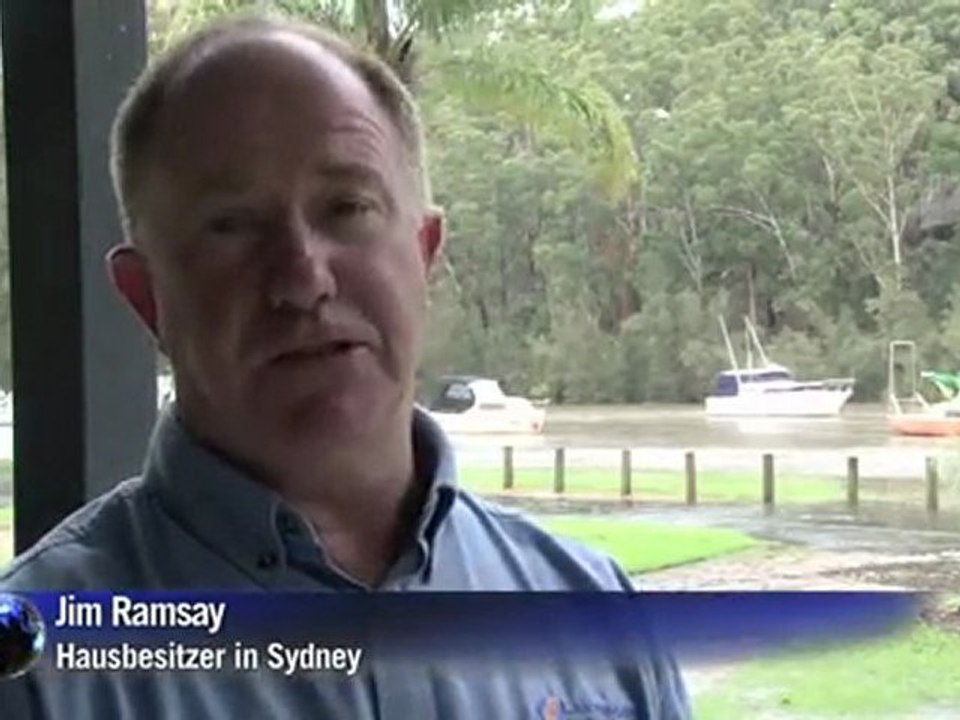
(325, 421)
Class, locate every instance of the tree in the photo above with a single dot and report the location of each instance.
(868, 118)
(531, 93)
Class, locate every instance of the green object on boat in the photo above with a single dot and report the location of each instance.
(948, 383)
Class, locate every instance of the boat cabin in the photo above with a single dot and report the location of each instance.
(728, 382)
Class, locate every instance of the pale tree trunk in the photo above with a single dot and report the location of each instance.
(895, 230)
(751, 293)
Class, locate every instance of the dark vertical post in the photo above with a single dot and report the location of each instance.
(508, 468)
(558, 471)
(769, 494)
(690, 467)
(853, 483)
(933, 485)
(626, 469)
(84, 373)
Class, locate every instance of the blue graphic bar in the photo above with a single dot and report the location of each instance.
(518, 626)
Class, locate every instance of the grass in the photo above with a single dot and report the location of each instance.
(729, 486)
(6, 534)
(636, 546)
(640, 547)
(887, 678)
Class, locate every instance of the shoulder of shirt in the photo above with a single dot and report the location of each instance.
(78, 550)
(585, 569)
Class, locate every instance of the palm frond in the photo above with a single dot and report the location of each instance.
(436, 17)
(439, 18)
(584, 113)
(336, 15)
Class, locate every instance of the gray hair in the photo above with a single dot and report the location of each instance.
(135, 127)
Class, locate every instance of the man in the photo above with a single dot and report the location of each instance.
(279, 241)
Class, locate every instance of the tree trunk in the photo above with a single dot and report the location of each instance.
(378, 30)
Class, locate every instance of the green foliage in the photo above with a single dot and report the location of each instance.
(784, 153)
(769, 159)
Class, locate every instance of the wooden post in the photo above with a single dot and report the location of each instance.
(626, 485)
(769, 494)
(558, 480)
(691, 469)
(853, 483)
(508, 468)
(933, 486)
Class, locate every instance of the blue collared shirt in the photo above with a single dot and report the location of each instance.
(194, 521)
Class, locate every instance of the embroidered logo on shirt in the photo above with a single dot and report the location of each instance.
(554, 708)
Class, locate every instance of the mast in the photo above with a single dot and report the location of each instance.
(726, 341)
(752, 331)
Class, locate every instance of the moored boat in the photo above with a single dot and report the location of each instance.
(468, 404)
(770, 390)
(909, 412)
(926, 424)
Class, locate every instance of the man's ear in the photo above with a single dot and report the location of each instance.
(130, 276)
(432, 236)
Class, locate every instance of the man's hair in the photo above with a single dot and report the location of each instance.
(135, 128)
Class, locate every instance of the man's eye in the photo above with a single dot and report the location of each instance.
(349, 207)
(230, 224)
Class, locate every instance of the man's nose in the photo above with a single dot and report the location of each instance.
(302, 277)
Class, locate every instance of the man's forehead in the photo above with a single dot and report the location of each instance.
(265, 65)
(267, 97)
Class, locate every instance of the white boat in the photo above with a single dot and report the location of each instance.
(467, 405)
(770, 390)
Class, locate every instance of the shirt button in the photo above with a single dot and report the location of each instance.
(267, 560)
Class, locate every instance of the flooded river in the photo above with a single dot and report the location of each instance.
(659, 436)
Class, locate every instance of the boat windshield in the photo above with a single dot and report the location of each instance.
(725, 385)
(766, 376)
(455, 397)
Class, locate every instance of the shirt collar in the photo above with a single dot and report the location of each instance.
(244, 521)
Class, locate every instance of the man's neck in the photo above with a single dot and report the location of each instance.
(365, 540)
(362, 503)
(362, 498)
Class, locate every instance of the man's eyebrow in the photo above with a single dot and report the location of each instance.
(220, 186)
(353, 173)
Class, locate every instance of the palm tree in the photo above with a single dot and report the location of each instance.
(584, 112)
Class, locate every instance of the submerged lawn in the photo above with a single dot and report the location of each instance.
(731, 486)
(640, 546)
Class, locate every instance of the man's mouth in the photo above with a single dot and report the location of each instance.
(319, 352)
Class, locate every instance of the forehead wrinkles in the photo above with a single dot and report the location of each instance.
(271, 99)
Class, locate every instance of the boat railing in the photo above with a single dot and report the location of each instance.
(905, 405)
(828, 384)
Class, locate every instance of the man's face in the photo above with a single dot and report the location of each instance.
(287, 250)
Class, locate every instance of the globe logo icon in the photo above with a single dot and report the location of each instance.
(22, 635)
